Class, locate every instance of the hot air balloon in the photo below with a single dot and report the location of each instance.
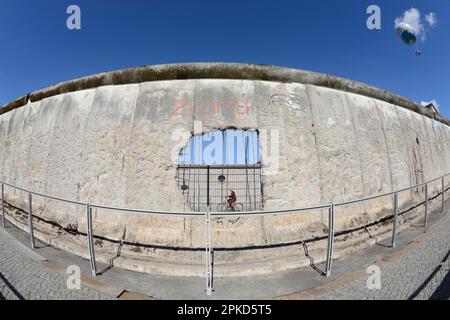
(408, 35)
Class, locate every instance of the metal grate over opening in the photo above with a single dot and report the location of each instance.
(196, 182)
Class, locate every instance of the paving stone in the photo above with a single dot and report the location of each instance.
(22, 277)
(422, 273)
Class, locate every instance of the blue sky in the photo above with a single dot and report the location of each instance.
(325, 36)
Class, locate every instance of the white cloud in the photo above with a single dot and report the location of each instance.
(431, 18)
(425, 103)
(413, 17)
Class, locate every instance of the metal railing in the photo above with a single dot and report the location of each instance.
(209, 216)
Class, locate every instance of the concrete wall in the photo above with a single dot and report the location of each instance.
(114, 145)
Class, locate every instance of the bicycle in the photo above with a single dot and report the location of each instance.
(226, 207)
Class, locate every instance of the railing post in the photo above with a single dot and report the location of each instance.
(30, 219)
(426, 207)
(3, 206)
(443, 194)
(394, 227)
(330, 239)
(90, 239)
(208, 260)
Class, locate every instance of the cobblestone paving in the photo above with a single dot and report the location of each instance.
(22, 278)
(422, 273)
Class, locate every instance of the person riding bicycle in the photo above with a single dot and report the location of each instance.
(231, 198)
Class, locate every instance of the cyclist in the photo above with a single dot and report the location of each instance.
(231, 198)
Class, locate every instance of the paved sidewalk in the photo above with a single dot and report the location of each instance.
(422, 273)
(23, 276)
(417, 269)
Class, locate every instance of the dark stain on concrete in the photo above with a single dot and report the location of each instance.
(235, 71)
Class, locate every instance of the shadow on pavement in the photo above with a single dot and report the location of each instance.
(111, 261)
(10, 287)
(444, 287)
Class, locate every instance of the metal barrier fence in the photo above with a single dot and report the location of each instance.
(209, 216)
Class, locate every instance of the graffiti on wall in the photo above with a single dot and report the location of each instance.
(224, 108)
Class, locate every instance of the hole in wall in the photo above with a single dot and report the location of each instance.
(216, 164)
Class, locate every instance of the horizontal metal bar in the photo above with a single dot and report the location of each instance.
(264, 213)
(222, 214)
(151, 212)
(343, 203)
(58, 199)
(43, 195)
(216, 166)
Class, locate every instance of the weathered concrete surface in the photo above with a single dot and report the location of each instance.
(115, 145)
(215, 70)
